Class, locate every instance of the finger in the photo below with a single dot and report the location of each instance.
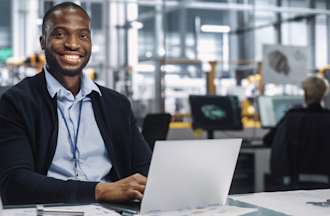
(137, 195)
(138, 187)
(140, 178)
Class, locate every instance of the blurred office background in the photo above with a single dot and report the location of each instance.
(158, 52)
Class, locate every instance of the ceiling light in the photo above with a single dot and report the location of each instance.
(137, 25)
(215, 28)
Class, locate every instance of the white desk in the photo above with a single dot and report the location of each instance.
(265, 204)
(291, 202)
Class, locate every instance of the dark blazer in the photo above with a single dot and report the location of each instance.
(28, 139)
(312, 108)
(301, 142)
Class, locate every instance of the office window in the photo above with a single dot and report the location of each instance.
(264, 35)
(294, 33)
(96, 16)
(322, 39)
(47, 6)
(5, 24)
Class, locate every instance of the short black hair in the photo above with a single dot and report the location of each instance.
(64, 5)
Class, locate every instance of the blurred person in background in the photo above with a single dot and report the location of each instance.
(315, 89)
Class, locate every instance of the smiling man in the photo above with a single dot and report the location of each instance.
(64, 138)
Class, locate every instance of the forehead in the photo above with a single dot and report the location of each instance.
(69, 18)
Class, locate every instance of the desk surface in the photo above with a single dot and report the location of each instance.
(119, 208)
(278, 203)
(302, 202)
(260, 210)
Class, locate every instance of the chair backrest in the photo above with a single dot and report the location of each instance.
(301, 145)
(155, 127)
(3, 89)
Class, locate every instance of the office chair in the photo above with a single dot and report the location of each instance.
(155, 127)
(301, 146)
(3, 89)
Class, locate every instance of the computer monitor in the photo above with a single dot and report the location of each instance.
(273, 108)
(215, 112)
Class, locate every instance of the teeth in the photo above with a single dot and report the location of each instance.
(71, 57)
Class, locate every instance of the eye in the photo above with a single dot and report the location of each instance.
(84, 35)
(58, 34)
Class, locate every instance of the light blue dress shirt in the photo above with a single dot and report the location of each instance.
(93, 163)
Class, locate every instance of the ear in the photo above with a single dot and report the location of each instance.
(42, 42)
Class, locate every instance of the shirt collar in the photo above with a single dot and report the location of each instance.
(55, 87)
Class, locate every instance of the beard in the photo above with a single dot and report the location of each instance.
(54, 66)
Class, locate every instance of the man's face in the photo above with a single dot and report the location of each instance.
(67, 41)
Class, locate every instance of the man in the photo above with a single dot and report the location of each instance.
(315, 89)
(299, 141)
(62, 137)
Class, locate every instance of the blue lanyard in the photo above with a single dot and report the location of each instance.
(73, 142)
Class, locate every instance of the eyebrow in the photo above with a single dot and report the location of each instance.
(65, 28)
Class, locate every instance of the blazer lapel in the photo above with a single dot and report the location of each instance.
(105, 127)
(51, 105)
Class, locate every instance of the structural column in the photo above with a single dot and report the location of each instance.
(328, 33)
(311, 37)
(246, 40)
(108, 73)
(159, 51)
(183, 27)
(114, 21)
(25, 29)
(278, 26)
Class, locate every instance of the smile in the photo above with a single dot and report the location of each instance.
(71, 59)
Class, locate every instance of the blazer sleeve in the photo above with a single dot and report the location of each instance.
(141, 150)
(19, 182)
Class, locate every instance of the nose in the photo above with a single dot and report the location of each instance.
(72, 42)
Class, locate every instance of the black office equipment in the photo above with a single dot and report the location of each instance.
(215, 113)
(244, 176)
(155, 127)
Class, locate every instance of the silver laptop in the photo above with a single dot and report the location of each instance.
(190, 174)
(0, 206)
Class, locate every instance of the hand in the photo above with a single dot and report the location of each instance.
(125, 189)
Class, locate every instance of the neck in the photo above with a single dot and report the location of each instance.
(71, 83)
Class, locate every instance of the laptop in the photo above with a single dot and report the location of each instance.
(187, 174)
(0, 206)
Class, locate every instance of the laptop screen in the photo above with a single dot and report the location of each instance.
(190, 174)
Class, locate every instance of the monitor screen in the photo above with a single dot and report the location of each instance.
(215, 112)
(273, 108)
